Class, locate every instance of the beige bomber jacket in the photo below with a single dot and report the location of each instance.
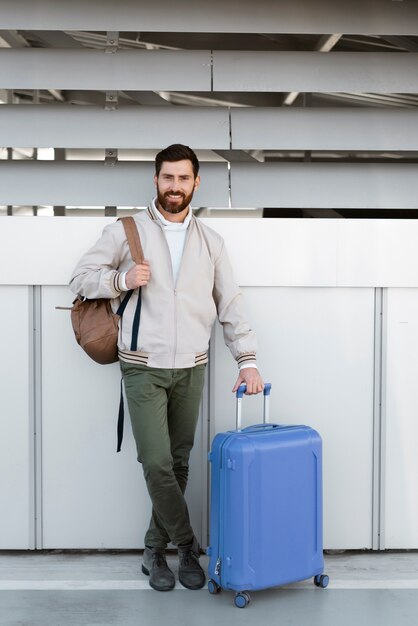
(175, 319)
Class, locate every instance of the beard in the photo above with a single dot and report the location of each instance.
(173, 206)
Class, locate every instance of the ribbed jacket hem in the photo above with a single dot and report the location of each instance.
(133, 357)
(163, 361)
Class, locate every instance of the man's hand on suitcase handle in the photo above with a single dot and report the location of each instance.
(251, 377)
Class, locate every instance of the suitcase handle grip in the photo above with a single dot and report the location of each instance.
(243, 388)
(239, 395)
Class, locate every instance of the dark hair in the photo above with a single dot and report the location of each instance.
(176, 152)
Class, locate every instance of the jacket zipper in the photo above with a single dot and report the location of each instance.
(175, 328)
(175, 290)
(174, 285)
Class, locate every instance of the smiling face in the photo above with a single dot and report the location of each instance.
(175, 185)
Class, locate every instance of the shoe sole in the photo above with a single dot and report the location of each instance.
(167, 588)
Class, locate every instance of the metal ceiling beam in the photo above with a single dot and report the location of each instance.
(55, 39)
(222, 41)
(320, 185)
(365, 43)
(126, 128)
(321, 213)
(12, 39)
(57, 95)
(88, 183)
(340, 156)
(145, 70)
(236, 156)
(224, 98)
(325, 44)
(147, 98)
(358, 72)
(98, 40)
(402, 42)
(371, 99)
(74, 96)
(246, 16)
(298, 128)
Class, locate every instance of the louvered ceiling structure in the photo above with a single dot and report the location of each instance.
(295, 108)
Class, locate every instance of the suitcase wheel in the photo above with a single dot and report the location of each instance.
(213, 587)
(242, 599)
(321, 581)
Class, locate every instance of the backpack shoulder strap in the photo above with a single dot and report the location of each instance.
(133, 239)
(137, 254)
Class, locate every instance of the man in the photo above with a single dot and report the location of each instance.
(183, 283)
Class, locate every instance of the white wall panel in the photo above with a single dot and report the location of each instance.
(281, 252)
(381, 253)
(316, 347)
(47, 68)
(323, 128)
(311, 253)
(92, 183)
(325, 185)
(315, 344)
(265, 16)
(129, 127)
(401, 424)
(16, 445)
(92, 496)
(358, 72)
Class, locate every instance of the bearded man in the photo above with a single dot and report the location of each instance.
(183, 284)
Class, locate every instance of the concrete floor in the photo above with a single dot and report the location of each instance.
(107, 588)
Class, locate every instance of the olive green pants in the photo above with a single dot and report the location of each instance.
(164, 408)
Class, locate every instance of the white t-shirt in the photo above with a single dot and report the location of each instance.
(175, 233)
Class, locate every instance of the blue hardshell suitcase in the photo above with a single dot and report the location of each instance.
(266, 507)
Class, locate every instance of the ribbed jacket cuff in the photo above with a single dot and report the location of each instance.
(245, 358)
(117, 282)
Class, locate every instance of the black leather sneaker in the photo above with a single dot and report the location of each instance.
(154, 565)
(191, 575)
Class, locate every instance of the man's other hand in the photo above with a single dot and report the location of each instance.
(251, 377)
(138, 276)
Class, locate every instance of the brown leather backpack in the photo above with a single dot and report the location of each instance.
(94, 323)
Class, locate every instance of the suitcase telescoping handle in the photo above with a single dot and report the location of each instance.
(240, 394)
